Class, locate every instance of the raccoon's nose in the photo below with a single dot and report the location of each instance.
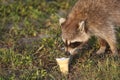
(67, 53)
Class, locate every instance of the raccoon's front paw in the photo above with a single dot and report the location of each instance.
(115, 53)
(101, 50)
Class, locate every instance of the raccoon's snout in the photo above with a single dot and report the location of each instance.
(67, 53)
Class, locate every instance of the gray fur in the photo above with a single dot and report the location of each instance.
(101, 17)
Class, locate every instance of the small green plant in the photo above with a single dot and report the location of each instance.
(30, 41)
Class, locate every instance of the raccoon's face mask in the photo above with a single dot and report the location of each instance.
(72, 47)
(73, 36)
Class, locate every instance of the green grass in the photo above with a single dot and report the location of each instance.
(30, 40)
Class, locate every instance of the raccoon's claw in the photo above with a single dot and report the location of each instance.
(101, 50)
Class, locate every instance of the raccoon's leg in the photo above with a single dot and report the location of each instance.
(112, 44)
(111, 40)
(102, 44)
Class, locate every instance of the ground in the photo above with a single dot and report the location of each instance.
(30, 41)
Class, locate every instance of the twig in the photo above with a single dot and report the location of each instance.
(40, 48)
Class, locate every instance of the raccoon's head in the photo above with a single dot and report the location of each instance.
(74, 34)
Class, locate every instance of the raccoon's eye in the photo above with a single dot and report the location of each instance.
(75, 44)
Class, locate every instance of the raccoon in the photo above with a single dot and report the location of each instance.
(90, 18)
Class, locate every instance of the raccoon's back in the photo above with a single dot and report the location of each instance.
(115, 13)
(97, 10)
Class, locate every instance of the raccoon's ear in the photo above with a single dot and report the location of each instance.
(62, 20)
(81, 26)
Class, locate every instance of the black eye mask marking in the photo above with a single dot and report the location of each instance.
(75, 44)
(72, 45)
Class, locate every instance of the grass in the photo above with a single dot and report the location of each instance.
(30, 41)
